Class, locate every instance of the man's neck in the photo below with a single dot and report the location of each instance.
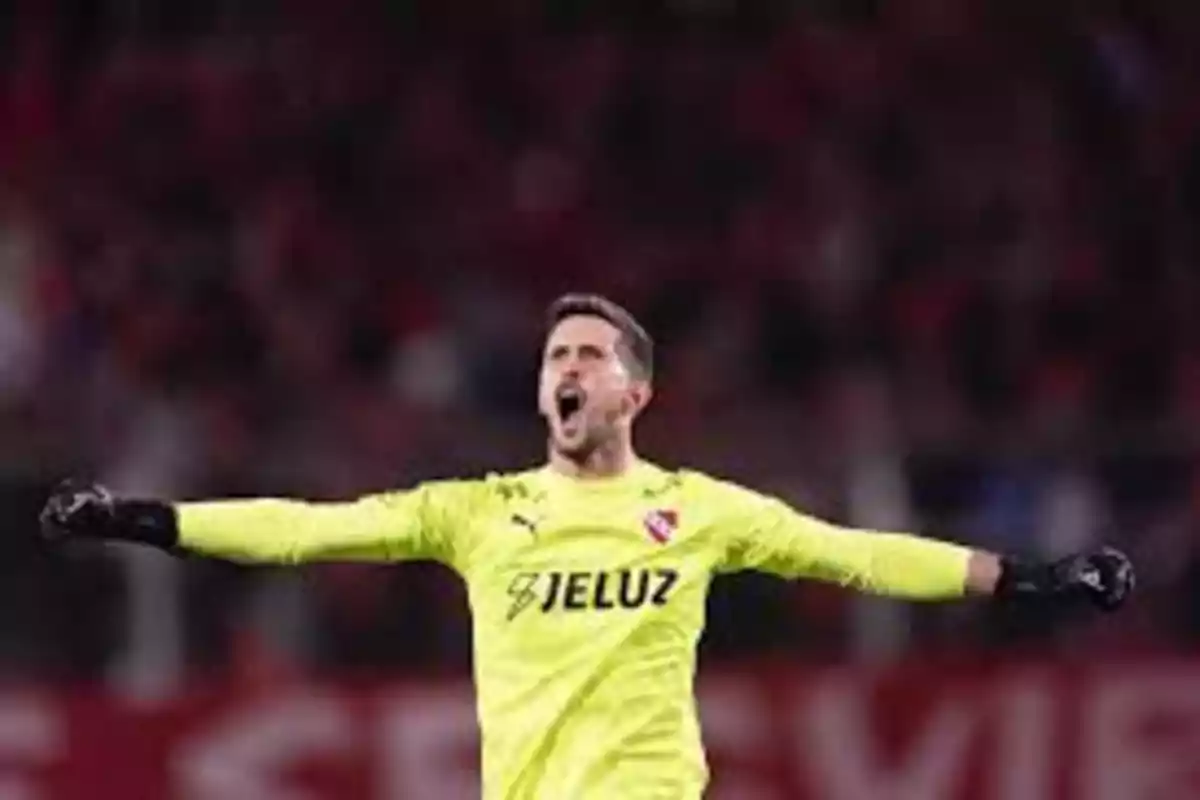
(602, 462)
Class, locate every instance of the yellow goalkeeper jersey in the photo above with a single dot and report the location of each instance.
(588, 600)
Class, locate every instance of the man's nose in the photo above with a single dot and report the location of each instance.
(572, 368)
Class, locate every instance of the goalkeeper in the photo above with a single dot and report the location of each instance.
(587, 576)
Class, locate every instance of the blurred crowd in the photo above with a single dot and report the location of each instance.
(930, 265)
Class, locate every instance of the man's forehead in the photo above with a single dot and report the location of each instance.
(583, 330)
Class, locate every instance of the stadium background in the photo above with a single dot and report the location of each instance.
(928, 264)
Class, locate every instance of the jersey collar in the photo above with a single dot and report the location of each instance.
(637, 474)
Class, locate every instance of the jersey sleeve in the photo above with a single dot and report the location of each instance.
(431, 521)
(762, 533)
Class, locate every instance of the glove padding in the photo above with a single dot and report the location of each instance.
(1106, 576)
(1103, 577)
(78, 509)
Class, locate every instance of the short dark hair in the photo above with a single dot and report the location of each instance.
(635, 347)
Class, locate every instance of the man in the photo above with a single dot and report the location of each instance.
(587, 577)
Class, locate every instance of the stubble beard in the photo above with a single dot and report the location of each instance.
(582, 450)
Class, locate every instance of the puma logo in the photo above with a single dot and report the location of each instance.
(526, 523)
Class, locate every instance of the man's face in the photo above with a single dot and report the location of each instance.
(586, 392)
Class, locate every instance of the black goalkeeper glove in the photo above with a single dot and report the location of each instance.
(1103, 577)
(79, 510)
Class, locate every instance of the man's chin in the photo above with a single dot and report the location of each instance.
(573, 444)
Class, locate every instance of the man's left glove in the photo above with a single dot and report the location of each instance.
(1103, 577)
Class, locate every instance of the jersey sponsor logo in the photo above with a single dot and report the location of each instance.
(521, 590)
(590, 591)
(661, 524)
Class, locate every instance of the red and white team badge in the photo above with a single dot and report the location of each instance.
(661, 525)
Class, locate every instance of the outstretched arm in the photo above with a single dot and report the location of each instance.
(766, 534)
(412, 524)
(387, 527)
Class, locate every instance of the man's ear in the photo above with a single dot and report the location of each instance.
(640, 394)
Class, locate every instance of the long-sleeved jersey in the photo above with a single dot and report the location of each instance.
(588, 600)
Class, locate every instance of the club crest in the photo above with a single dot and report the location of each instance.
(661, 525)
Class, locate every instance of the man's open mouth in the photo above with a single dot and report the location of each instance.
(569, 400)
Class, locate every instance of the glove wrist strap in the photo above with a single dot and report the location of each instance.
(1022, 579)
(151, 522)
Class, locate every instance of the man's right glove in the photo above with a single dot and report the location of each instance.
(78, 509)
